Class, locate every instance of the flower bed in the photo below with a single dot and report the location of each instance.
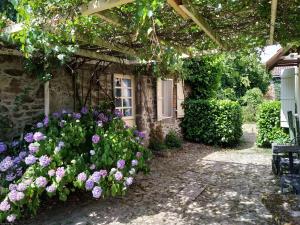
(90, 151)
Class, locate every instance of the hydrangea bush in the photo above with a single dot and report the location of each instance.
(90, 150)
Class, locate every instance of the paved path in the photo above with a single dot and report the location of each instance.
(196, 185)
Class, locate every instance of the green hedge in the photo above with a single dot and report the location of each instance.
(268, 122)
(212, 121)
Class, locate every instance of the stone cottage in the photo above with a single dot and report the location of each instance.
(144, 100)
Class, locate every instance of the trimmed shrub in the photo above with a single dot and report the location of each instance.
(212, 121)
(268, 122)
(92, 151)
(172, 140)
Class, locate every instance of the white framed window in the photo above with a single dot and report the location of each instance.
(124, 95)
(164, 99)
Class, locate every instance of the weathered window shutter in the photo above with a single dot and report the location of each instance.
(287, 95)
(180, 99)
(159, 99)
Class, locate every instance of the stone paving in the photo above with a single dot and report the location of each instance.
(194, 185)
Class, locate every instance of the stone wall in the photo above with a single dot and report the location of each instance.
(13, 82)
(21, 97)
(147, 108)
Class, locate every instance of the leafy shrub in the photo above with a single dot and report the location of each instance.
(268, 122)
(250, 101)
(203, 76)
(212, 121)
(253, 97)
(91, 151)
(227, 93)
(156, 141)
(172, 140)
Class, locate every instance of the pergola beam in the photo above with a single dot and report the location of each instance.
(95, 6)
(106, 16)
(108, 58)
(273, 19)
(175, 5)
(189, 10)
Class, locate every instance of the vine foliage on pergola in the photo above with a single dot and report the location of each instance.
(150, 30)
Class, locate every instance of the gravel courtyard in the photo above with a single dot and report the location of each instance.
(194, 185)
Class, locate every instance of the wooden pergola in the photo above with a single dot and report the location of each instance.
(185, 9)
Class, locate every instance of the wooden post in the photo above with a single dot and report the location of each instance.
(47, 98)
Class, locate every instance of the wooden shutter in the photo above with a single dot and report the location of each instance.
(159, 99)
(180, 99)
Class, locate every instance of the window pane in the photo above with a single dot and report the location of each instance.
(127, 112)
(127, 83)
(118, 82)
(118, 102)
(127, 92)
(127, 102)
(118, 92)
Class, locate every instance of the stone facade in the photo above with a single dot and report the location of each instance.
(21, 97)
(91, 87)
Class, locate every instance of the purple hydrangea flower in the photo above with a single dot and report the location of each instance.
(118, 113)
(11, 218)
(96, 176)
(15, 196)
(142, 135)
(134, 162)
(97, 191)
(3, 147)
(46, 121)
(51, 188)
(6, 163)
(60, 173)
(139, 155)
(39, 136)
(19, 172)
(12, 187)
(39, 125)
(22, 154)
(76, 116)
(41, 182)
(4, 206)
(51, 173)
(14, 144)
(44, 161)
(118, 176)
(84, 110)
(89, 184)
(30, 159)
(10, 177)
(96, 138)
(34, 147)
(129, 181)
(17, 160)
(21, 187)
(121, 164)
(103, 173)
(102, 117)
(82, 177)
(29, 137)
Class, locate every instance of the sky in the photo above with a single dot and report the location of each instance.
(268, 52)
